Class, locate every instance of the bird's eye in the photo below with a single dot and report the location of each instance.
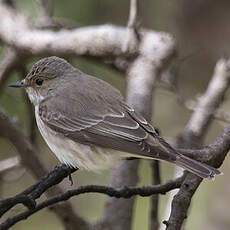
(39, 82)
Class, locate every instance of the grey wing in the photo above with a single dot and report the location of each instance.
(107, 124)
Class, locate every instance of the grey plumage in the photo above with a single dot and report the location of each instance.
(87, 110)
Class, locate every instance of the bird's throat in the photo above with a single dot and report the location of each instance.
(34, 96)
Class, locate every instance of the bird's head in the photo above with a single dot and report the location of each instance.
(44, 77)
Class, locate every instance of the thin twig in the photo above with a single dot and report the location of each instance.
(220, 115)
(46, 11)
(133, 14)
(154, 214)
(133, 36)
(8, 64)
(29, 196)
(9, 164)
(125, 192)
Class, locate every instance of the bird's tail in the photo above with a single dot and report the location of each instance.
(200, 169)
(167, 153)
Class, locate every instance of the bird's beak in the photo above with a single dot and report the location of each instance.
(19, 84)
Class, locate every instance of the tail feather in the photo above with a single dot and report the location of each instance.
(155, 147)
(200, 169)
(167, 153)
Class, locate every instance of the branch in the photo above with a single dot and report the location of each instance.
(125, 192)
(220, 147)
(133, 36)
(9, 164)
(45, 19)
(91, 41)
(155, 55)
(46, 8)
(214, 153)
(154, 214)
(193, 135)
(211, 100)
(105, 41)
(8, 63)
(220, 115)
(29, 196)
(133, 14)
(143, 74)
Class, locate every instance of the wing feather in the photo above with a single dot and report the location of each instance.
(121, 126)
(96, 117)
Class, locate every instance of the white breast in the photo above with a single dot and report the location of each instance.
(76, 154)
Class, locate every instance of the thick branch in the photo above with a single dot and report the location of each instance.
(214, 153)
(211, 100)
(192, 137)
(155, 54)
(96, 41)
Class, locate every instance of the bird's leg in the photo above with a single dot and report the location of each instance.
(70, 179)
(69, 170)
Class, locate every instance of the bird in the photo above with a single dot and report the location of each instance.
(87, 124)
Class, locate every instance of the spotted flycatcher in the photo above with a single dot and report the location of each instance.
(83, 118)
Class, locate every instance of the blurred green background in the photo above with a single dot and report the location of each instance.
(201, 29)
